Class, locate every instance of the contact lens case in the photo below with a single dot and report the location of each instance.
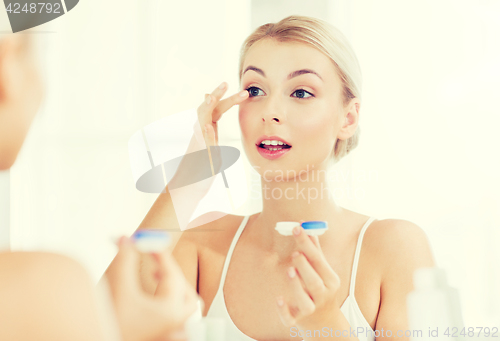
(151, 240)
(311, 228)
(285, 227)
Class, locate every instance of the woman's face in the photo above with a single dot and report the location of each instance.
(303, 108)
(20, 96)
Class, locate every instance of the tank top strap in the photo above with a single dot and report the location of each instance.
(352, 284)
(231, 249)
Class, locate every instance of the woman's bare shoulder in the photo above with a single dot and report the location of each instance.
(394, 232)
(27, 261)
(395, 243)
(23, 268)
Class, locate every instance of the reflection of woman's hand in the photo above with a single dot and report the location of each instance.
(314, 285)
(142, 316)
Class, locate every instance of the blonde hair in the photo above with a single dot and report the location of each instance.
(328, 40)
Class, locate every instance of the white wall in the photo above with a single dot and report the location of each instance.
(4, 210)
(429, 118)
(428, 143)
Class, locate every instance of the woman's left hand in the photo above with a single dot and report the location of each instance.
(314, 285)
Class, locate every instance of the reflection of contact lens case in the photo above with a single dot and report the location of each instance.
(312, 228)
(149, 240)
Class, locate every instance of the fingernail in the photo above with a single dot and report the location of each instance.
(295, 254)
(209, 99)
(222, 86)
(243, 93)
(296, 230)
(291, 272)
(280, 302)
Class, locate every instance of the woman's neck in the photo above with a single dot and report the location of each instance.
(307, 198)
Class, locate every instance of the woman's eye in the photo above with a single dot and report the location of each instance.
(253, 91)
(301, 93)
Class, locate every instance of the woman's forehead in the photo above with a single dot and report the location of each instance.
(274, 58)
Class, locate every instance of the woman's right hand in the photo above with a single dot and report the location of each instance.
(209, 113)
(211, 110)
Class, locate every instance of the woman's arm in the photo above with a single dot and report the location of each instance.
(163, 214)
(186, 252)
(186, 255)
(404, 247)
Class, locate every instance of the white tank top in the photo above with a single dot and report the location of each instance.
(349, 308)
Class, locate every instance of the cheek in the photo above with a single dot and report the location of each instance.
(317, 130)
(245, 122)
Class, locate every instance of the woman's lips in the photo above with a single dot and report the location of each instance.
(272, 154)
(274, 137)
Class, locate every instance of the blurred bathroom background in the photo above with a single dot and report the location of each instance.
(429, 120)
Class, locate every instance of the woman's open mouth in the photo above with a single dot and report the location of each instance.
(272, 151)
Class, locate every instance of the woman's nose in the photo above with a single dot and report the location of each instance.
(273, 113)
(271, 119)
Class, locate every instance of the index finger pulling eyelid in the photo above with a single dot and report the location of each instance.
(238, 97)
(226, 104)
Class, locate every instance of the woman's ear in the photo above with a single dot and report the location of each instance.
(350, 119)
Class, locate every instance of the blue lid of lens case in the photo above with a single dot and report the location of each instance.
(151, 240)
(314, 224)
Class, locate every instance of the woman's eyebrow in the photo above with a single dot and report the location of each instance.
(256, 69)
(290, 76)
(302, 72)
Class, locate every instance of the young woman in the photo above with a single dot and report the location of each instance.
(50, 297)
(301, 85)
